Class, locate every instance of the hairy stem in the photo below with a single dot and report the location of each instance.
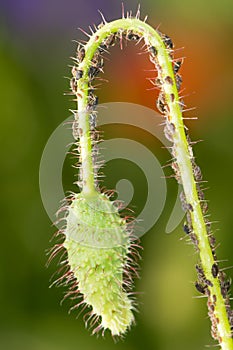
(211, 281)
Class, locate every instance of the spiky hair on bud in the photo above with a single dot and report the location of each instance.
(97, 241)
(100, 262)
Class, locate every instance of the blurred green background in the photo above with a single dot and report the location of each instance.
(35, 46)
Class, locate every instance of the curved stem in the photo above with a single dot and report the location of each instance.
(182, 152)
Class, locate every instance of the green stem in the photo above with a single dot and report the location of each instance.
(181, 150)
(88, 184)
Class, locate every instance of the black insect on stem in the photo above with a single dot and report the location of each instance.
(93, 72)
(168, 80)
(111, 40)
(80, 54)
(176, 66)
(187, 229)
(178, 81)
(167, 41)
(153, 50)
(161, 104)
(73, 85)
(200, 288)
(214, 270)
(79, 74)
(130, 35)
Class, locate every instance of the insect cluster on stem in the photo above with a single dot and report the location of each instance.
(100, 249)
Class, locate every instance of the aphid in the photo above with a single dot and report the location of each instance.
(167, 41)
(201, 194)
(91, 91)
(161, 104)
(214, 254)
(178, 81)
(103, 48)
(194, 239)
(200, 288)
(230, 315)
(73, 71)
(169, 130)
(208, 223)
(176, 169)
(222, 277)
(100, 63)
(181, 104)
(73, 85)
(214, 270)
(224, 292)
(93, 101)
(158, 67)
(186, 229)
(185, 206)
(168, 80)
(79, 74)
(80, 53)
(92, 119)
(214, 332)
(158, 82)
(75, 129)
(111, 40)
(211, 307)
(95, 153)
(189, 207)
(186, 133)
(197, 173)
(227, 285)
(176, 66)
(199, 271)
(204, 206)
(96, 57)
(132, 36)
(171, 127)
(93, 72)
(212, 241)
(172, 96)
(153, 50)
(208, 282)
